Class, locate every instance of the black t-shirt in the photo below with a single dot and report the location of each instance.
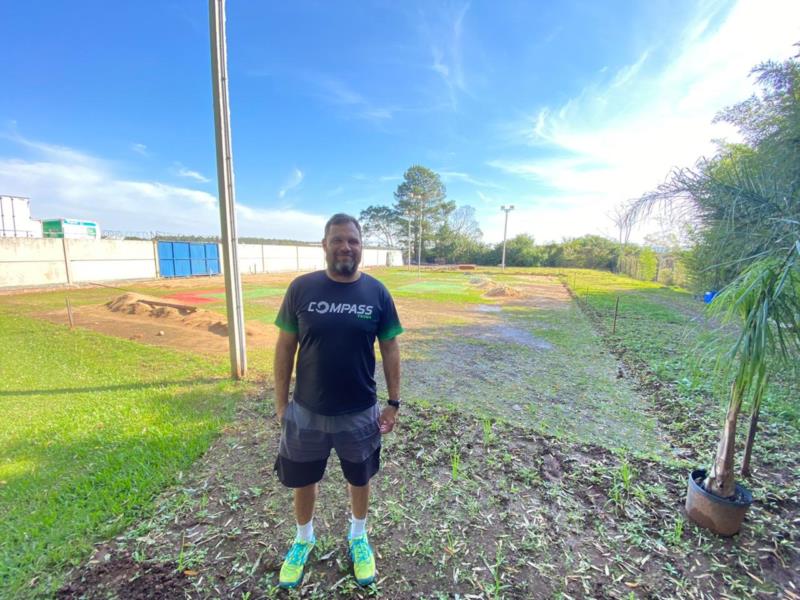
(336, 325)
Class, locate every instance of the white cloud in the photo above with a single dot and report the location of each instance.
(620, 138)
(63, 182)
(140, 149)
(466, 177)
(446, 47)
(294, 179)
(182, 171)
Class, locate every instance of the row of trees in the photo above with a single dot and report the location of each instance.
(425, 223)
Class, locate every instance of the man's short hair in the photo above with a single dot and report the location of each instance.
(341, 219)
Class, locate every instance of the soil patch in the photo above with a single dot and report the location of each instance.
(515, 335)
(122, 577)
(163, 322)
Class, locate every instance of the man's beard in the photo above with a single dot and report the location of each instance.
(346, 265)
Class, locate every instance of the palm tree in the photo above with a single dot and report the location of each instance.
(765, 302)
(745, 205)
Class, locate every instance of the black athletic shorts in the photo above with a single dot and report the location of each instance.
(307, 439)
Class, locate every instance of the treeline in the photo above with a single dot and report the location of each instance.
(432, 229)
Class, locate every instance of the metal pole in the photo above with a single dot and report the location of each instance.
(419, 245)
(408, 219)
(616, 310)
(507, 210)
(227, 202)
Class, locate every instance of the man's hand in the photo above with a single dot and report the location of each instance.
(279, 410)
(388, 419)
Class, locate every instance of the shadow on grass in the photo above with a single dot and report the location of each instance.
(88, 485)
(110, 388)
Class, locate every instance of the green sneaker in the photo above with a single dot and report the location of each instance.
(363, 560)
(292, 569)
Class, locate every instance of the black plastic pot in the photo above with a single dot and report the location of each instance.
(723, 516)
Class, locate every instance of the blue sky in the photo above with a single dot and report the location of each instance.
(562, 109)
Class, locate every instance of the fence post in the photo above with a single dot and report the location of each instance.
(263, 260)
(616, 309)
(67, 260)
(69, 314)
(155, 258)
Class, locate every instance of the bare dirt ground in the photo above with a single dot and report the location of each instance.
(190, 328)
(500, 482)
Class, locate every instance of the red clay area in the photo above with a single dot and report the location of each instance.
(196, 297)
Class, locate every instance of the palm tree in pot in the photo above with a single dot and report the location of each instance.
(765, 303)
(744, 208)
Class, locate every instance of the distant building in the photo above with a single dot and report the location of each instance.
(15, 218)
(70, 228)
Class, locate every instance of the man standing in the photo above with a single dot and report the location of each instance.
(334, 316)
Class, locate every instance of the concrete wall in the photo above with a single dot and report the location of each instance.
(32, 262)
(106, 260)
(28, 261)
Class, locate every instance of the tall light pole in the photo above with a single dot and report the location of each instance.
(419, 245)
(408, 220)
(507, 210)
(227, 202)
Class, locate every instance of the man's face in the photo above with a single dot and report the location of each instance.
(342, 249)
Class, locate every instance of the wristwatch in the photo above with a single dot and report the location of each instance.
(395, 403)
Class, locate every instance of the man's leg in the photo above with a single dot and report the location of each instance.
(304, 500)
(359, 448)
(302, 455)
(358, 476)
(359, 500)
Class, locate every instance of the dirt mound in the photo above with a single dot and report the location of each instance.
(502, 291)
(139, 304)
(176, 313)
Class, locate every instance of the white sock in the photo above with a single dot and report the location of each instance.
(305, 533)
(357, 527)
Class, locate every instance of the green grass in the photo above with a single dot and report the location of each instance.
(436, 286)
(668, 329)
(92, 428)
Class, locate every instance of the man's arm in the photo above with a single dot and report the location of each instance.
(285, 350)
(390, 355)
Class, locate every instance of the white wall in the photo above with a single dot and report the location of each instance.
(28, 261)
(106, 260)
(32, 262)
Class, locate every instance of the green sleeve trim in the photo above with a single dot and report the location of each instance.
(288, 327)
(391, 333)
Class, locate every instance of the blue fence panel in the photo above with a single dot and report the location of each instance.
(183, 268)
(180, 250)
(165, 250)
(212, 259)
(166, 267)
(184, 259)
(199, 267)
